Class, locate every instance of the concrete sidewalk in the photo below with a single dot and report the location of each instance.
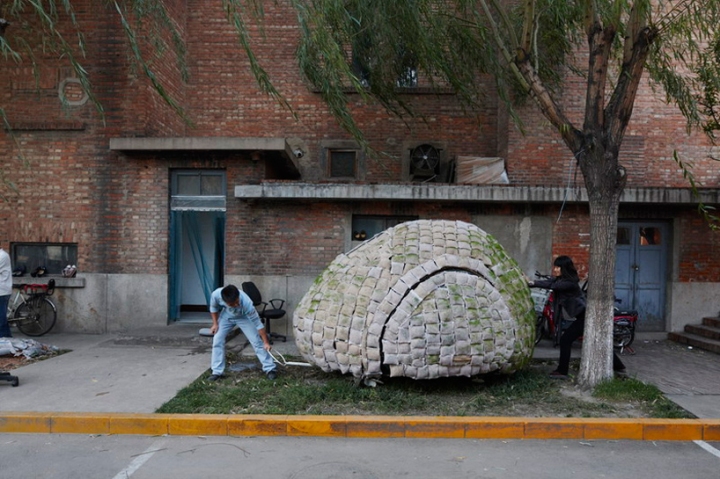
(132, 372)
(687, 376)
(109, 373)
(113, 383)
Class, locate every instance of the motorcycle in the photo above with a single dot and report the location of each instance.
(624, 322)
(546, 325)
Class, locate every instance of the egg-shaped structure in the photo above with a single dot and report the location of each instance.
(424, 299)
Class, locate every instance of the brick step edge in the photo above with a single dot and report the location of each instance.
(704, 331)
(696, 341)
(713, 322)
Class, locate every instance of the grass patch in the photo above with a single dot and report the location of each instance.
(306, 391)
(635, 391)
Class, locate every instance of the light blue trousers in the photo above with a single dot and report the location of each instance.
(217, 362)
(4, 326)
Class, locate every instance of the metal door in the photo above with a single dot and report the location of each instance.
(640, 271)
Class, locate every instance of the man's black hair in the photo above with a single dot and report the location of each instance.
(230, 293)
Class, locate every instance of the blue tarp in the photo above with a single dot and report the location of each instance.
(29, 348)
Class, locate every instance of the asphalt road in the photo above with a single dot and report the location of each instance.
(58, 456)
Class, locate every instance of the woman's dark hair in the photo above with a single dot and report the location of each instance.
(230, 293)
(567, 268)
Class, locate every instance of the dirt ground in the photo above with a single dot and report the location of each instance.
(8, 363)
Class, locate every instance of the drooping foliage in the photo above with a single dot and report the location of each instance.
(31, 29)
(448, 43)
(528, 48)
(364, 46)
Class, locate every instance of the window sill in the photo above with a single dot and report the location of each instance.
(60, 282)
(403, 90)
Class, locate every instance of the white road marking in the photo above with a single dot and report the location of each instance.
(140, 459)
(708, 448)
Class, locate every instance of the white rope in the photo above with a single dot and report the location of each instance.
(283, 362)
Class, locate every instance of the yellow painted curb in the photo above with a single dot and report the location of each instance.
(362, 426)
(25, 422)
(711, 430)
(79, 423)
(316, 426)
(374, 426)
(494, 427)
(612, 429)
(434, 426)
(197, 425)
(678, 430)
(143, 424)
(257, 425)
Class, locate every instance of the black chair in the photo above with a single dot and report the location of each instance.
(267, 311)
(13, 380)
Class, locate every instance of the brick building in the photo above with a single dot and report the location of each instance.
(156, 211)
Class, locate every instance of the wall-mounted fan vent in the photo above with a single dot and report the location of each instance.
(424, 162)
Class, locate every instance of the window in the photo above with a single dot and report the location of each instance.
(360, 70)
(365, 227)
(198, 190)
(198, 183)
(382, 65)
(406, 72)
(52, 256)
(623, 235)
(408, 78)
(341, 163)
(341, 160)
(650, 236)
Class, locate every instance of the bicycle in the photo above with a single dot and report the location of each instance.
(30, 309)
(545, 323)
(542, 302)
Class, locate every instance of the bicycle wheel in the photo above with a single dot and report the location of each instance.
(36, 317)
(623, 336)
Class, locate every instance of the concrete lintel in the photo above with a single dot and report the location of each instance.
(464, 193)
(197, 143)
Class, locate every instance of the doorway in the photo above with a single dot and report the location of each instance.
(197, 242)
(640, 271)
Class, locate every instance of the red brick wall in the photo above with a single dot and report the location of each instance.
(116, 206)
(698, 250)
(655, 132)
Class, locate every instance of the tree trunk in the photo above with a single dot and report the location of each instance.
(604, 181)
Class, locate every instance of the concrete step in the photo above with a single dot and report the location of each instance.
(713, 322)
(703, 330)
(696, 341)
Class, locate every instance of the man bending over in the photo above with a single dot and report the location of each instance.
(230, 307)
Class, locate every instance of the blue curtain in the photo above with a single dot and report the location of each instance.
(202, 263)
(219, 250)
(175, 264)
(185, 225)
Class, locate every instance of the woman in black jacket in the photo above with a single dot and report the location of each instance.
(565, 284)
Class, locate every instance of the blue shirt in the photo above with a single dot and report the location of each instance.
(244, 310)
(6, 280)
